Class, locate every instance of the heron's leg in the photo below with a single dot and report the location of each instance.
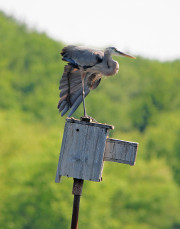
(83, 75)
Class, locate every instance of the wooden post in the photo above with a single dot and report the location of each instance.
(77, 192)
(75, 214)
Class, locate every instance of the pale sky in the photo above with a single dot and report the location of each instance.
(150, 28)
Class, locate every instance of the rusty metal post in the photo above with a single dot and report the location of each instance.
(77, 192)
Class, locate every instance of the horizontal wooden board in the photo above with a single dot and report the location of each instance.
(101, 125)
(120, 151)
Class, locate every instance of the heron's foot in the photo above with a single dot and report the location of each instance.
(88, 118)
(93, 120)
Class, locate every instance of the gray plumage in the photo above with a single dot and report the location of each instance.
(83, 73)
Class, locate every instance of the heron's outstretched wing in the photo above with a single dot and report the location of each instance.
(81, 56)
(71, 88)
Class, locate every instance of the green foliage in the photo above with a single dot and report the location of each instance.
(143, 103)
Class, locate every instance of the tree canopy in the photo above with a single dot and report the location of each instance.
(142, 101)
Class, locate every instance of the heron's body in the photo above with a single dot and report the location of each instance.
(91, 60)
(83, 73)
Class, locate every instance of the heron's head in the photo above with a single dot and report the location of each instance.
(115, 52)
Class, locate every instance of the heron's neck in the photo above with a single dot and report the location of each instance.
(111, 65)
(108, 59)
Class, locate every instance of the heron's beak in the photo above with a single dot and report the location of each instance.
(124, 54)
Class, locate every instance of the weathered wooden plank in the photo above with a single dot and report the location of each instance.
(82, 151)
(120, 151)
(58, 176)
(106, 126)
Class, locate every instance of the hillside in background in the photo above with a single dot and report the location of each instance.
(142, 101)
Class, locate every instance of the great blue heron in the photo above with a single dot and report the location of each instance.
(83, 73)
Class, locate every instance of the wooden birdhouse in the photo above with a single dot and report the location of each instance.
(86, 146)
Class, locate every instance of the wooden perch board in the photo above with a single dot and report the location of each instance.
(120, 151)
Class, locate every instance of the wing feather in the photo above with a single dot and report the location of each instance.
(71, 88)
